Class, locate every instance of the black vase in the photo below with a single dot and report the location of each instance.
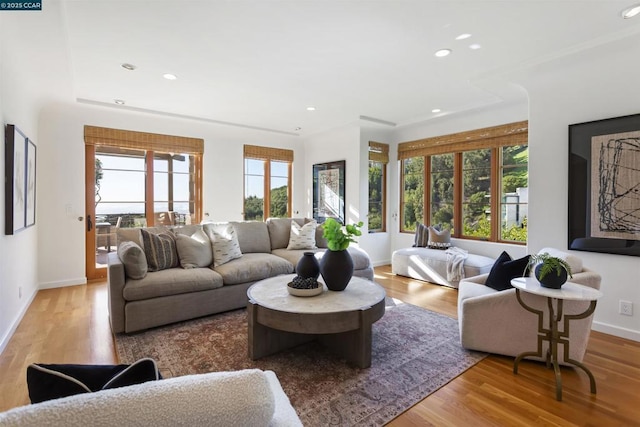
(336, 268)
(552, 279)
(308, 266)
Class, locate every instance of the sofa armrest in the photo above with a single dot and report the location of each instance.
(240, 398)
(284, 415)
(116, 280)
(588, 278)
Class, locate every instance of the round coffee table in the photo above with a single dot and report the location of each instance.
(339, 320)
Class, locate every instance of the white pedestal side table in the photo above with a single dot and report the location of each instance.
(551, 334)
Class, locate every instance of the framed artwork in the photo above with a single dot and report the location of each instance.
(15, 179)
(328, 191)
(30, 184)
(604, 186)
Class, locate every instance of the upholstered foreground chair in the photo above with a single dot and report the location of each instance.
(494, 322)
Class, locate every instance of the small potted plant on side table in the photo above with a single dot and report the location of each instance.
(551, 272)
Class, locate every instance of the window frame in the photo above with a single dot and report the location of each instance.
(268, 155)
(379, 153)
(513, 134)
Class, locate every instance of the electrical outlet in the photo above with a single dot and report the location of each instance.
(626, 308)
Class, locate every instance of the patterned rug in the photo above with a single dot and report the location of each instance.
(415, 352)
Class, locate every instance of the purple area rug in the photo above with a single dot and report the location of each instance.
(415, 352)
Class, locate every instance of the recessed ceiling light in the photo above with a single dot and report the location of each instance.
(311, 108)
(170, 76)
(119, 101)
(297, 129)
(463, 36)
(630, 12)
(127, 66)
(443, 52)
(474, 46)
(436, 110)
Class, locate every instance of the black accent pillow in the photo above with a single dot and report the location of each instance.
(46, 382)
(505, 269)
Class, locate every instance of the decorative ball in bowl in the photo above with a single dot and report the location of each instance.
(304, 287)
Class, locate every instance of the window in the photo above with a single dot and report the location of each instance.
(468, 176)
(514, 195)
(267, 182)
(146, 179)
(412, 210)
(378, 159)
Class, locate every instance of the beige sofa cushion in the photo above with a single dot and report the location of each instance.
(253, 237)
(172, 281)
(279, 231)
(252, 267)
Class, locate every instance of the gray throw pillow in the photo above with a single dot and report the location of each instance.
(134, 260)
(195, 250)
(160, 250)
(421, 239)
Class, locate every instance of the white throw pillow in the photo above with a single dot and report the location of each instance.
(195, 250)
(303, 237)
(224, 242)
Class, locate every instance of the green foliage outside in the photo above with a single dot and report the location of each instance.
(279, 202)
(254, 205)
(476, 192)
(375, 196)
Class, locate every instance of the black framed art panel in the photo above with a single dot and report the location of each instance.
(604, 186)
(328, 191)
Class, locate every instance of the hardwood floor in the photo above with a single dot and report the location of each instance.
(70, 325)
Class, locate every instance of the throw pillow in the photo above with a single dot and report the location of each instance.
(194, 251)
(160, 250)
(225, 243)
(439, 239)
(421, 238)
(134, 260)
(46, 382)
(303, 237)
(505, 269)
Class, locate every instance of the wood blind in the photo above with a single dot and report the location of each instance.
(267, 153)
(378, 152)
(128, 139)
(497, 136)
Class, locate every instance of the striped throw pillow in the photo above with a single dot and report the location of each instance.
(160, 250)
(422, 236)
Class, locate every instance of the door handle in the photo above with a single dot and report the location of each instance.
(89, 223)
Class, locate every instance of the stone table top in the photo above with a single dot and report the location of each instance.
(359, 294)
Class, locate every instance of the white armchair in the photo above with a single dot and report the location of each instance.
(494, 322)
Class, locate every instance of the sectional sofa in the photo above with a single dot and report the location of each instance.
(140, 301)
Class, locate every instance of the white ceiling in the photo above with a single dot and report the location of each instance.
(261, 63)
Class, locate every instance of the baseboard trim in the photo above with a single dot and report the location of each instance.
(381, 263)
(5, 340)
(63, 283)
(617, 331)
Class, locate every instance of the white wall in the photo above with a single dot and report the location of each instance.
(594, 84)
(62, 176)
(30, 75)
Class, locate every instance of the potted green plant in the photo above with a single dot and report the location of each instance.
(336, 265)
(551, 272)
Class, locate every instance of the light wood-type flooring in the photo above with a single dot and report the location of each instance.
(70, 325)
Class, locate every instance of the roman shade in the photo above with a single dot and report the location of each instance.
(132, 140)
(497, 136)
(268, 153)
(378, 152)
